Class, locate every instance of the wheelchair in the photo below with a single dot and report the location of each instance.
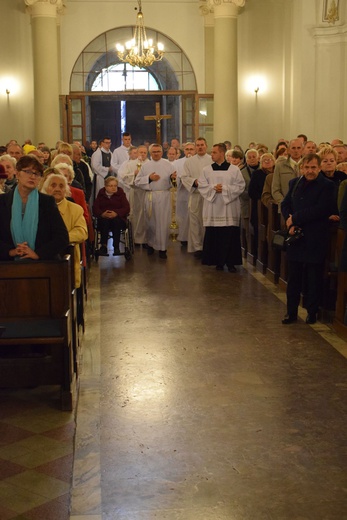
(126, 243)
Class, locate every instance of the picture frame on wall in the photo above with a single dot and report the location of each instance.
(331, 11)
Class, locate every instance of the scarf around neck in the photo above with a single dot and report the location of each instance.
(24, 227)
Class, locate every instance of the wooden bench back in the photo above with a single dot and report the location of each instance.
(39, 290)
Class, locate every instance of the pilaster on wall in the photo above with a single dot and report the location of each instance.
(44, 18)
(224, 68)
(330, 80)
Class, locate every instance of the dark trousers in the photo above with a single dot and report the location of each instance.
(305, 278)
(113, 225)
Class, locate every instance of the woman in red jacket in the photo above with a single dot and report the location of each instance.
(111, 207)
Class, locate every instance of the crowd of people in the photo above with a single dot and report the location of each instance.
(216, 202)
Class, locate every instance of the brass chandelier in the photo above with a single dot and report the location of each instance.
(140, 52)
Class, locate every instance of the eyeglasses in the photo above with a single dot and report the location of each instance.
(30, 172)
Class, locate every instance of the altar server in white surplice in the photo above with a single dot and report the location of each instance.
(182, 197)
(155, 177)
(121, 154)
(136, 195)
(192, 170)
(221, 185)
(101, 164)
(126, 167)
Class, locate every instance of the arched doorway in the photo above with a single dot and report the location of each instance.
(108, 96)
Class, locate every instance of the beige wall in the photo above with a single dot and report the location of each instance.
(303, 60)
(180, 21)
(16, 110)
(304, 67)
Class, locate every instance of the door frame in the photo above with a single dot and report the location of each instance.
(69, 128)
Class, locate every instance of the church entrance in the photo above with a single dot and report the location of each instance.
(109, 97)
(87, 117)
(113, 115)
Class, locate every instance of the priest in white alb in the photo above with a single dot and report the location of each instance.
(190, 178)
(136, 196)
(221, 185)
(155, 177)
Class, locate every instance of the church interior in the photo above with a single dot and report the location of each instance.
(193, 402)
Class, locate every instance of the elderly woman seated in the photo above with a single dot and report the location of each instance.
(111, 207)
(72, 214)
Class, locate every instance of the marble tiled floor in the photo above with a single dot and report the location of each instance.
(195, 403)
(36, 455)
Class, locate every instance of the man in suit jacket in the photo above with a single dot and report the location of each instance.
(306, 208)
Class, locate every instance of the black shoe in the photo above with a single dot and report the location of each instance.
(144, 246)
(103, 251)
(219, 267)
(116, 252)
(162, 254)
(184, 243)
(150, 250)
(311, 319)
(198, 254)
(231, 269)
(288, 319)
(137, 245)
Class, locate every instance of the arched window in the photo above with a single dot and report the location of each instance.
(98, 65)
(122, 77)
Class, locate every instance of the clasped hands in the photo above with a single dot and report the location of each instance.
(109, 214)
(24, 251)
(218, 188)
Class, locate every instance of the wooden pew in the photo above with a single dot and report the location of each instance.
(262, 255)
(36, 331)
(274, 256)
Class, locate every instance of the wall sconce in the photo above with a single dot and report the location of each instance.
(256, 84)
(8, 92)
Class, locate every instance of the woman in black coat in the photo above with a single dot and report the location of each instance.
(306, 208)
(49, 236)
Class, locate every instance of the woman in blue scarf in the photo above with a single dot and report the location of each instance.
(31, 225)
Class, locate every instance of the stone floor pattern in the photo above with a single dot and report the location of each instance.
(195, 403)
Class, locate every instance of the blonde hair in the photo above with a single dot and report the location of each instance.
(7, 157)
(327, 150)
(109, 179)
(68, 167)
(65, 148)
(61, 158)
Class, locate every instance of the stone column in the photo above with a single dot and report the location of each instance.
(225, 119)
(46, 68)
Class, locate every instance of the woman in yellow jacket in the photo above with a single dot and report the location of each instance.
(72, 214)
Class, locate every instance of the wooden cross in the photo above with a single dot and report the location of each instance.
(157, 118)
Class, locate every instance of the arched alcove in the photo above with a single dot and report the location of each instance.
(173, 73)
(106, 103)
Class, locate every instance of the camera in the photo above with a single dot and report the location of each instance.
(292, 239)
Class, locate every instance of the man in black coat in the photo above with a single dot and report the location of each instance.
(306, 209)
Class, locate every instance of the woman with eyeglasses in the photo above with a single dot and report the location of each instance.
(31, 225)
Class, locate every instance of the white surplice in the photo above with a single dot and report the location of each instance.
(182, 199)
(192, 170)
(136, 196)
(221, 209)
